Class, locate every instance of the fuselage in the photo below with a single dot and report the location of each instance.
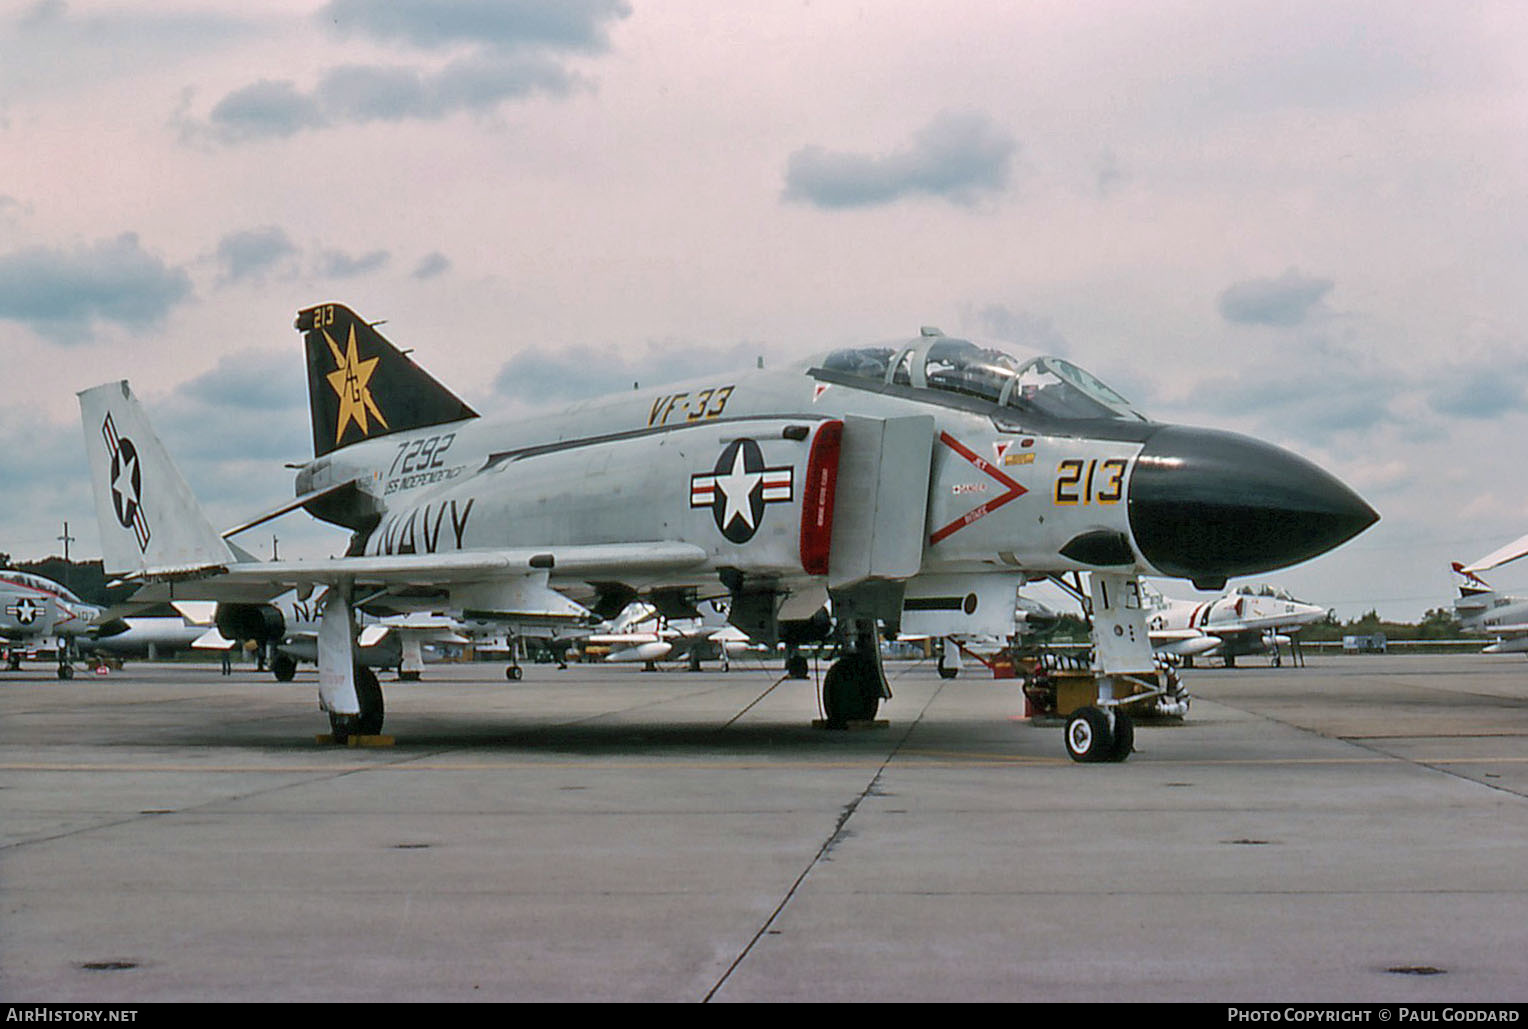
(723, 462)
(1493, 614)
(32, 607)
(1238, 611)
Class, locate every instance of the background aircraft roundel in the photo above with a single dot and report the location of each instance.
(126, 482)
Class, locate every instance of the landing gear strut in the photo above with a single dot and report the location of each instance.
(66, 656)
(513, 672)
(343, 682)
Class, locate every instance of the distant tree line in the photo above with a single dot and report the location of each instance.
(1438, 623)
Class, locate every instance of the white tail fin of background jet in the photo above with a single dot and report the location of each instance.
(151, 524)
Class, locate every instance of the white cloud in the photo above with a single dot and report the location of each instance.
(63, 294)
(1285, 301)
(958, 157)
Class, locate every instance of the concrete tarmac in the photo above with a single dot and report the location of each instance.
(1353, 831)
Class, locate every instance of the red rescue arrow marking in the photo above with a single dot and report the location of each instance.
(976, 514)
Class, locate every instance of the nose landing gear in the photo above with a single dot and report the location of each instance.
(1094, 735)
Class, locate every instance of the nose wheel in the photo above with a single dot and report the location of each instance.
(1094, 737)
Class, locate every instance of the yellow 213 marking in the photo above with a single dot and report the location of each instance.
(1090, 482)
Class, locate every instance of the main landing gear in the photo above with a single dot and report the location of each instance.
(67, 655)
(512, 671)
(283, 666)
(347, 689)
(369, 722)
(855, 684)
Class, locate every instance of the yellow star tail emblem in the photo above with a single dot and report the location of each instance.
(349, 379)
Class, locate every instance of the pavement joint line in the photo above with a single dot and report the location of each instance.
(827, 846)
(1371, 744)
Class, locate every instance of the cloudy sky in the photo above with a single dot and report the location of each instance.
(1303, 220)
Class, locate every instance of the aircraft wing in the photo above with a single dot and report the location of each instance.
(505, 581)
(1183, 642)
(1160, 636)
(1511, 552)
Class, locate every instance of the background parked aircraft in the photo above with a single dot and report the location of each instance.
(1246, 620)
(34, 609)
(642, 635)
(1482, 611)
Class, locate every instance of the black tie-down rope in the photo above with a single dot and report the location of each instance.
(753, 703)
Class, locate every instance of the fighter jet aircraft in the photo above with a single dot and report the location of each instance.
(644, 635)
(34, 609)
(1482, 611)
(1247, 620)
(849, 478)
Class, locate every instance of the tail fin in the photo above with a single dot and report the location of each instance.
(150, 523)
(1469, 583)
(361, 387)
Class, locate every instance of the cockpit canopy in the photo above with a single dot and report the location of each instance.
(1272, 592)
(37, 582)
(1048, 386)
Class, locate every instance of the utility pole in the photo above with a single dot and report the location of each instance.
(67, 539)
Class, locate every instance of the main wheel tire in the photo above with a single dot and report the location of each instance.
(796, 667)
(1124, 737)
(369, 692)
(283, 667)
(946, 672)
(851, 691)
(513, 673)
(66, 671)
(1088, 737)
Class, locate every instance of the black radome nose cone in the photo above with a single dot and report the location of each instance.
(1208, 506)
